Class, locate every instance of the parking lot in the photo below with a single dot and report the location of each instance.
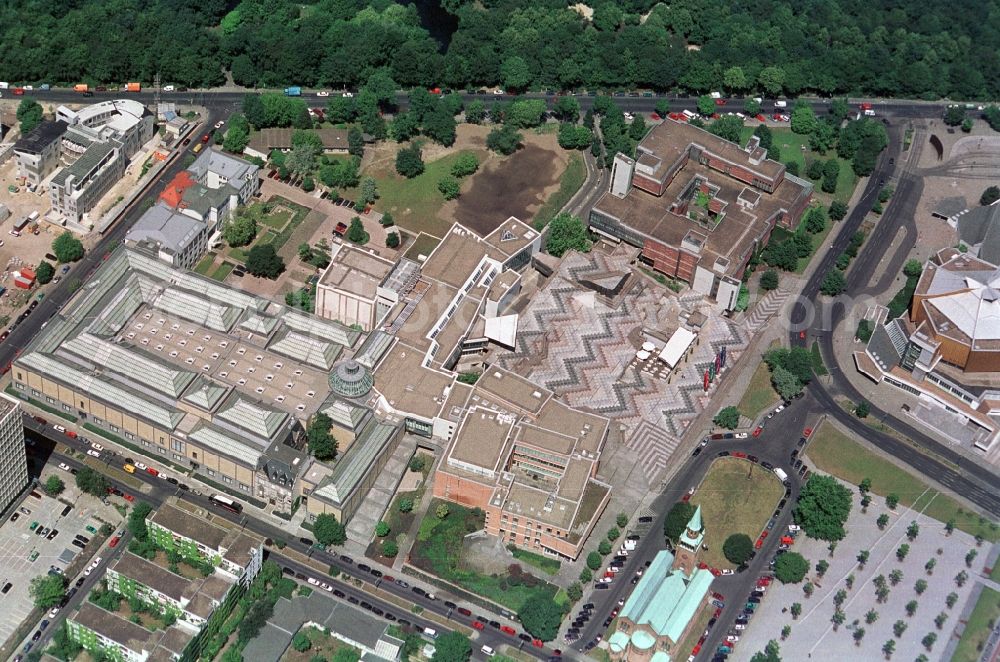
(19, 543)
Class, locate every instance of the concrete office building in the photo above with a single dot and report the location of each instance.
(361, 288)
(214, 169)
(189, 369)
(13, 461)
(698, 206)
(37, 154)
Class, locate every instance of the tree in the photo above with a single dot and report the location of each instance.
(264, 262)
(929, 566)
(822, 566)
(47, 590)
(727, 127)
(92, 482)
(961, 578)
(465, 165)
(356, 232)
(970, 557)
(822, 138)
(392, 240)
(815, 220)
(300, 642)
(796, 609)
(920, 586)
(137, 521)
(728, 418)
(67, 248)
(706, 105)
(540, 616)
(574, 136)
(53, 486)
(859, 634)
(831, 171)
(772, 79)
(838, 617)
(771, 653)
(44, 272)
(752, 107)
(791, 568)
(621, 520)
(871, 616)
(439, 126)
(594, 560)
(676, 521)
(928, 640)
(329, 531)
(368, 193)
(737, 548)
(504, 140)
(940, 619)
(475, 112)
(838, 210)
(604, 547)
(769, 280)
(567, 232)
(902, 551)
(574, 592)
(861, 411)
(913, 530)
(405, 505)
(449, 187)
(241, 229)
(452, 647)
(29, 114)
(911, 607)
(613, 534)
(382, 529)
(237, 134)
(442, 511)
(409, 162)
(822, 508)
(390, 549)
(355, 142)
(781, 254)
(586, 575)
(515, 73)
(833, 283)
(891, 500)
(954, 115)
(803, 118)
(882, 521)
(990, 195)
(808, 589)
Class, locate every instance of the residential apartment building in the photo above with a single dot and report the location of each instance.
(37, 153)
(214, 169)
(698, 206)
(101, 632)
(189, 370)
(13, 460)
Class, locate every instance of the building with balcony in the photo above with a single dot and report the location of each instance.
(13, 461)
(698, 206)
(101, 632)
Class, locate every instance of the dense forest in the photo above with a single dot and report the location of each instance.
(920, 48)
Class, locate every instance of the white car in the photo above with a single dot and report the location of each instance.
(326, 587)
(59, 428)
(733, 637)
(313, 581)
(728, 572)
(220, 124)
(53, 612)
(168, 88)
(499, 92)
(628, 117)
(92, 453)
(96, 446)
(741, 435)
(794, 527)
(140, 466)
(64, 466)
(739, 626)
(347, 94)
(324, 93)
(604, 580)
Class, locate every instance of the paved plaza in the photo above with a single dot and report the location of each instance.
(583, 345)
(813, 636)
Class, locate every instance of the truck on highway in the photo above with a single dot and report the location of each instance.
(133, 87)
(293, 91)
(81, 87)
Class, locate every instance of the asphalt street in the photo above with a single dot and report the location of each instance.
(46, 438)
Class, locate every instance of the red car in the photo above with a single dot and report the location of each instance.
(655, 117)
(777, 117)
(18, 91)
(715, 572)
(538, 643)
(716, 116)
(787, 540)
(807, 432)
(702, 565)
(717, 613)
(152, 472)
(759, 543)
(718, 596)
(864, 106)
(686, 498)
(696, 650)
(477, 625)
(506, 629)
(114, 541)
(739, 454)
(720, 102)
(129, 498)
(760, 118)
(41, 420)
(204, 138)
(756, 433)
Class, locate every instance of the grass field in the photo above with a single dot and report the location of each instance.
(422, 245)
(277, 218)
(205, 265)
(977, 628)
(736, 496)
(222, 271)
(760, 395)
(836, 453)
(544, 563)
(571, 181)
(414, 203)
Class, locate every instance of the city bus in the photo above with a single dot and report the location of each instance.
(227, 503)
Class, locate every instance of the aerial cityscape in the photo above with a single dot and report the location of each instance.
(389, 331)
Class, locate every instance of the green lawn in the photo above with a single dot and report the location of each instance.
(205, 265)
(760, 395)
(977, 628)
(438, 550)
(546, 564)
(570, 182)
(277, 218)
(422, 245)
(414, 203)
(736, 496)
(222, 271)
(836, 453)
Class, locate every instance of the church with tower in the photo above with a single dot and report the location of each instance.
(665, 603)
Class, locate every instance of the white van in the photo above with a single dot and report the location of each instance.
(431, 632)
(780, 473)
(716, 95)
(168, 88)
(688, 114)
(781, 103)
(487, 651)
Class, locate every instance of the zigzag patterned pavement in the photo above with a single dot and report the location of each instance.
(764, 309)
(572, 343)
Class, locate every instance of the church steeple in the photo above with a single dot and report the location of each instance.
(685, 557)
